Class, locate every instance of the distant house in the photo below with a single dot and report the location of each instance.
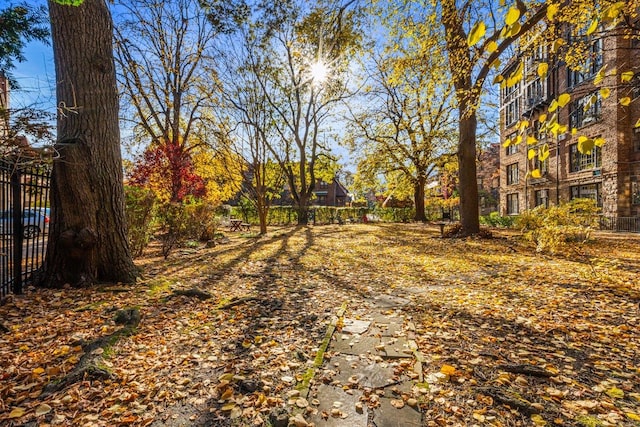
(330, 194)
(489, 179)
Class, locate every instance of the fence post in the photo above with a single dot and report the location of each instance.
(16, 196)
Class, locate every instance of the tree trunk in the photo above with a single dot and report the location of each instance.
(303, 210)
(87, 237)
(468, 183)
(418, 196)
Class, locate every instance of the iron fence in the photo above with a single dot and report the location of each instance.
(618, 223)
(24, 221)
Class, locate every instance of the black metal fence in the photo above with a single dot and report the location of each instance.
(24, 221)
(618, 223)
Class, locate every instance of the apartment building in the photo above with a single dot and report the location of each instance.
(609, 174)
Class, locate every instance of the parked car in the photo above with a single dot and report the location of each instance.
(33, 222)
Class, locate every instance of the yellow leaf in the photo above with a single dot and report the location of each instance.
(531, 140)
(562, 128)
(552, 9)
(564, 99)
(512, 16)
(574, 131)
(637, 125)
(599, 141)
(492, 46)
(556, 45)
(497, 79)
(543, 153)
(228, 407)
(585, 145)
(16, 413)
(42, 409)
(226, 377)
(542, 118)
(626, 76)
(625, 101)
(538, 420)
(518, 140)
(516, 76)
(246, 343)
(531, 153)
(554, 106)
(612, 12)
(506, 143)
(228, 393)
(513, 30)
(258, 339)
(38, 371)
(448, 370)
(615, 393)
(633, 416)
(543, 68)
(605, 92)
(592, 100)
(477, 32)
(593, 27)
(536, 174)
(522, 125)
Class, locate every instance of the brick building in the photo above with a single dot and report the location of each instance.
(610, 174)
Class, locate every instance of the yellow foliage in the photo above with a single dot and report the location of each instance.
(552, 10)
(563, 100)
(543, 68)
(512, 16)
(536, 173)
(477, 32)
(605, 92)
(626, 76)
(625, 101)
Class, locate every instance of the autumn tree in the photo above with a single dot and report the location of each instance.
(163, 49)
(407, 119)
(87, 235)
(20, 24)
(300, 65)
(245, 106)
(477, 35)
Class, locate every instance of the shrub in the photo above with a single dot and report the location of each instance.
(140, 206)
(494, 219)
(551, 229)
(189, 220)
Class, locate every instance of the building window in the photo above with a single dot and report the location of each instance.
(511, 104)
(512, 149)
(636, 141)
(590, 67)
(579, 161)
(322, 199)
(512, 204)
(542, 198)
(585, 110)
(512, 174)
(635, 191)
(542, 166)
(588, 191)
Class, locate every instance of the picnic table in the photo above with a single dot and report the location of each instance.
(238, 225)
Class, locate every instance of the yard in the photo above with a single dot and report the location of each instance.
(506, 336)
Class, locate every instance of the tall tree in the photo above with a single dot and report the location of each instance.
(246, 107)
(303, 60)
(87, 236)
(164, 53)
(478, 34)
(408, 119)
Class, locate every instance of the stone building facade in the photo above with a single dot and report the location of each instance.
(610, 173)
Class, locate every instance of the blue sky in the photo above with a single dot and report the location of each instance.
(36, 77)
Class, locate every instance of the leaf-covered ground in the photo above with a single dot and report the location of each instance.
(482, 310)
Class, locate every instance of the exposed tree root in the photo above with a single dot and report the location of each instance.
(531, 370)
(237, 301)
(193, 292)
(90, 365)
(510, 399)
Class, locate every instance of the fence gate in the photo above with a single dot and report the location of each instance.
(24, 221)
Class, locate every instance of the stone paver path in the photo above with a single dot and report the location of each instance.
(368, 368)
